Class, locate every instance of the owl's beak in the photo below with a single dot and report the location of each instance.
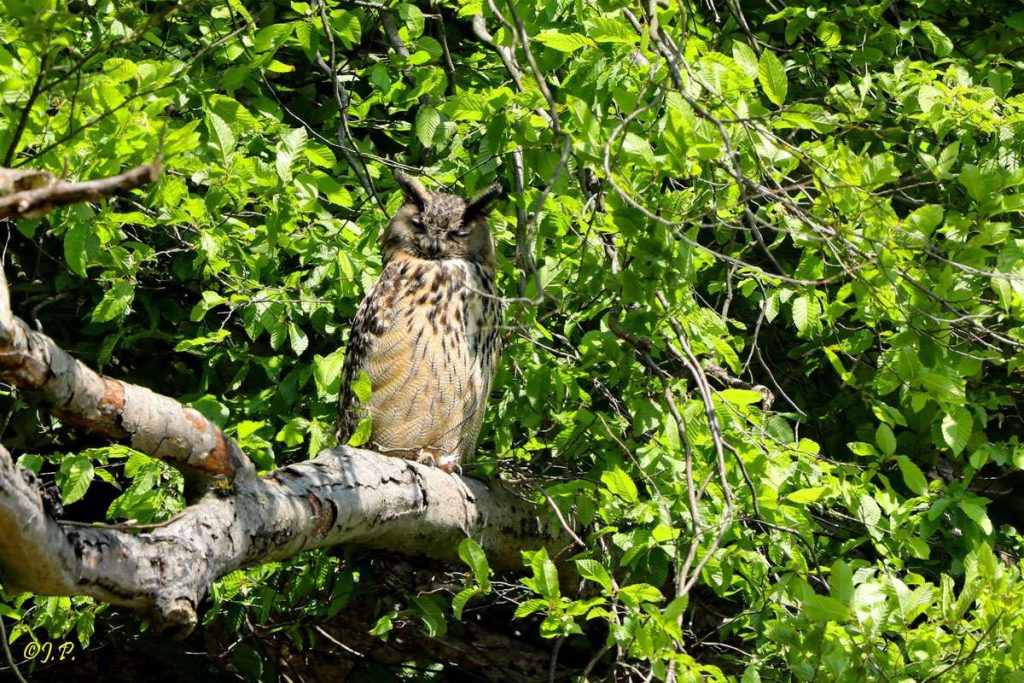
(433, 247)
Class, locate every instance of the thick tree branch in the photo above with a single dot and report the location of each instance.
(152, 424)
(342, 496)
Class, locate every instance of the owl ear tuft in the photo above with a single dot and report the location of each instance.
(477, 206)
(413, 189)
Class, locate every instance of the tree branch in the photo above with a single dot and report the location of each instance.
(152, 424)
(41, 200)
(344, 495)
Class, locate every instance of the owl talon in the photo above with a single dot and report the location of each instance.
(443, 461)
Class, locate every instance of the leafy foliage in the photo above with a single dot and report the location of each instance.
(765, 344)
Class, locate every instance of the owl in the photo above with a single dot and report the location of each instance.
(426, 334)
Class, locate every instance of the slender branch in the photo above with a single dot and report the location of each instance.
(446, 59)
(341, 99)
(37, 89)
(387, 19)
(41, 200)
(504, 53)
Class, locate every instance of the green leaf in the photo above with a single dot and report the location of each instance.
(361, 387)
(80, 246)
(75, 475)
(431, 614)
(868, 511)
(741, 397)
(362, 433)
(119, 69)
(637, 593)
(840, 582)
(460, 599)
(912, 475)
(383, 626)
(885, 439)
(979, 185)
(829, 34)
(940, 42)
(428, 45)
(327, 371)
(956, 429)
(822, 608)
(288, 149)
(563, 42)
(595, 571)
(545, 575)
(208, 301)
(198, 342)
(801, 313)
(269, 38)
(319, 155)
(611, 28)
(413, 18)
(809, 495)
(772, 76)
(221, 135)
(115, 303)
(31, 462)
(743, 55)
(299, 340)
(861, 448)
(428, 120)
(976, 512)
(346, 26)
(925, 219)
(620, 484)
(212, 409)
(529, 607)
(944, 389)
(473, 555)
(278, 330)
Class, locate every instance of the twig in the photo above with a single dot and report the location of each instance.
(387, 19)
(504, 53)
(341, 100)
(446, 56)
(37, 88)
(8, 655)
(558, 513)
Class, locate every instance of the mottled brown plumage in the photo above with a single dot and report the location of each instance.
(427, 332)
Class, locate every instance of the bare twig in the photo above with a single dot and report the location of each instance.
(387, 20)
(341, 100)
(33, 95)
(41, 200)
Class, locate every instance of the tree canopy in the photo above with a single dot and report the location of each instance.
(764, 274)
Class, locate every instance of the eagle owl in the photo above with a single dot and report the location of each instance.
(426, 334)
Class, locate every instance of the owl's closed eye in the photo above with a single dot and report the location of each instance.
(437, 225)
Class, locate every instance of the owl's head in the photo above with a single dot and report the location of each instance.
(438, 226)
